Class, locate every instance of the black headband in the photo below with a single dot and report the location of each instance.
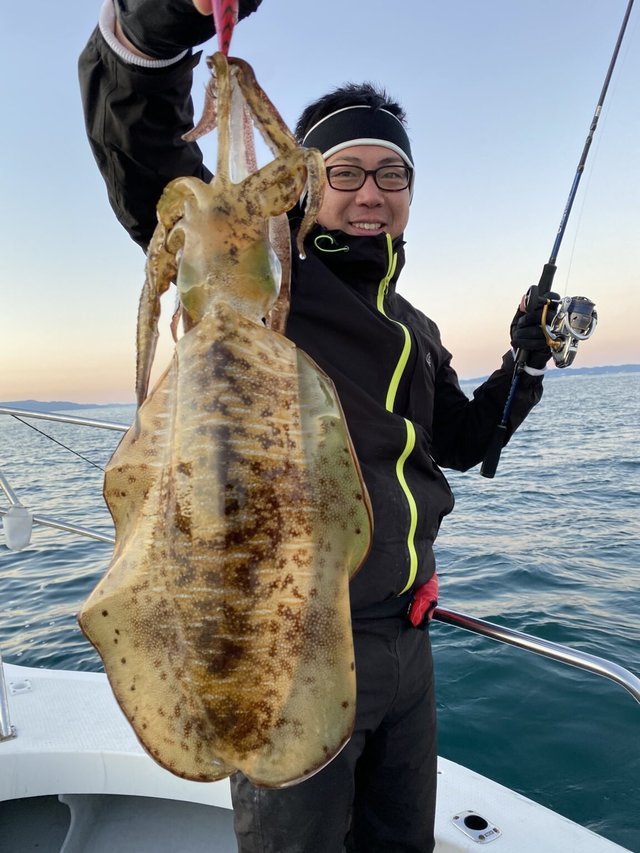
(359, 125)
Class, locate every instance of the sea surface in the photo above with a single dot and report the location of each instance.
(551, 547)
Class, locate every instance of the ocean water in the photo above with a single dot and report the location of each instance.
(551, 547)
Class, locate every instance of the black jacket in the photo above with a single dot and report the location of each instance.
(404, 407)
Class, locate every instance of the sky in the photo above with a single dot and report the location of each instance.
(499, 96)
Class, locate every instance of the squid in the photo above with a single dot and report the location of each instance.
(239, 507)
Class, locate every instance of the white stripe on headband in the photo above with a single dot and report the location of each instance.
(368, 141)
(358, 122)
(353, 107)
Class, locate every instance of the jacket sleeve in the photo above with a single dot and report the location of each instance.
(463, 429)
(135, 118)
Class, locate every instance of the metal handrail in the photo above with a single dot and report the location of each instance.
(6, 488)
(7, 731)
(63, 419)
(555, 651)
(47, 521)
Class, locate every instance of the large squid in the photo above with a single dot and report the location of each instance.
(239, 507)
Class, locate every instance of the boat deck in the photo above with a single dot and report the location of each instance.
(75, 779)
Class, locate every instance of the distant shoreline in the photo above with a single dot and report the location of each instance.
(56, 405)
(66, 405)
(556, 373)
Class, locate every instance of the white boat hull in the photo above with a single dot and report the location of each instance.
(76, 779)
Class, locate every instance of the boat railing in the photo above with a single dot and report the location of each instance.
(546, 648)
(7, 731)
(63, 419)
(555, 651)
(45, 520)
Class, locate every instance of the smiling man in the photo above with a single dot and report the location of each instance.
(368, 157)
(405, 410)
(376, 202)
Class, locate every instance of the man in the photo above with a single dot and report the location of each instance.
(405, 410)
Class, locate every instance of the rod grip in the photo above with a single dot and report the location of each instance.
(492, 456)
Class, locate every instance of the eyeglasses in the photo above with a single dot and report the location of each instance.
(391, 179)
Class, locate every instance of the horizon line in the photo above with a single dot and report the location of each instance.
(554, 372)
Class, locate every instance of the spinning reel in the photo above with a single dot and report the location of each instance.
(575, 320)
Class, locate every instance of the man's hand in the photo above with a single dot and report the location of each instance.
(526, 326)
(162, 29)
(245, 7)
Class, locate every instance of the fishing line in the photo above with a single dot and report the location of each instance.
(574, 319)
(583, 204)
(604, 120)
(55, 440)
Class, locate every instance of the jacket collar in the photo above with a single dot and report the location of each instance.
(361, 262)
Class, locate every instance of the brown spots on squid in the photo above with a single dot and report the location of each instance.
(225, 657)
(182, 520)
(186, 576)
(185, 468)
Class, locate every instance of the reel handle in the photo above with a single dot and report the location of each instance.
(545, 284)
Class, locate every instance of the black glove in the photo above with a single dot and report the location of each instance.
(526, 326)
(165, 29)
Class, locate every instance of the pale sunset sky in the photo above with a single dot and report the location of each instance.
(499, 95)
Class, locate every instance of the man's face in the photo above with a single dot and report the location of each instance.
(369, 210)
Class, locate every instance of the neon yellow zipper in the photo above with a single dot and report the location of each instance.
(392, 392)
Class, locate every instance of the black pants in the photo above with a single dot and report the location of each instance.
(379, 793)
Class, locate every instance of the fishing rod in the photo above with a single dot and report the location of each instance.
(575, 317)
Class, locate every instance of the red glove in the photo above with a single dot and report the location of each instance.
(424, 602)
